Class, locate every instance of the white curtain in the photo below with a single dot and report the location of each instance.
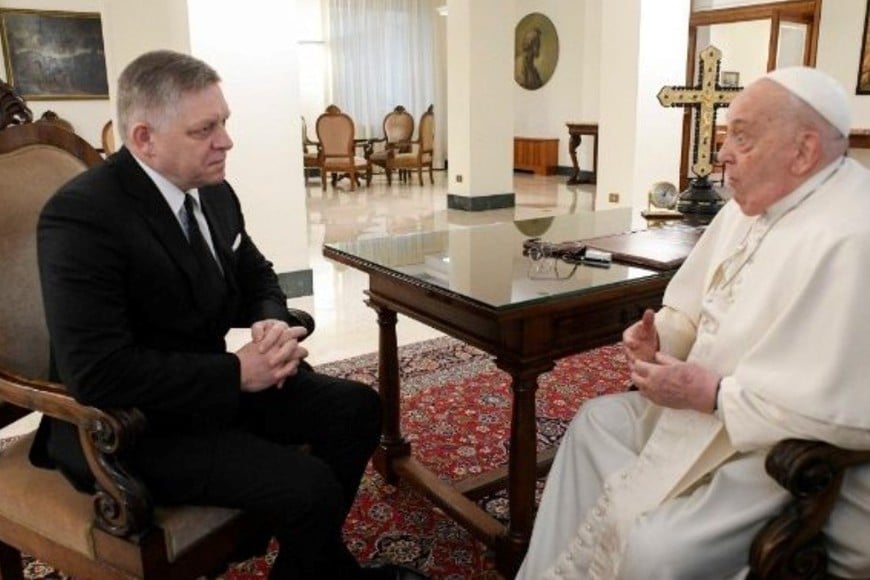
(381, 54)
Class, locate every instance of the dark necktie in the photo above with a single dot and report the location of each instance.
(206, 260)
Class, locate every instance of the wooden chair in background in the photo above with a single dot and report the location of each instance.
(336, 135)
(107, 136)
(398, 132)
(310, 152)
(421, 150)
(117, 531)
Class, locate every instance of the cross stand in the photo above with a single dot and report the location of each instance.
(700, 201)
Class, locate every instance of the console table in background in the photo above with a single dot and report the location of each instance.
(859, 139)
(575, 131)
(538, 155)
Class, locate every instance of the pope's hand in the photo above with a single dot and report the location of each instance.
(670, 382)
(641, 340)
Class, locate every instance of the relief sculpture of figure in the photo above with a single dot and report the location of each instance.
(527, 74)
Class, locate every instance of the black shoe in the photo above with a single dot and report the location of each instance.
(390, 572)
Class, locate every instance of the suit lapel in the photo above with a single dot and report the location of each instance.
(220, 239)
(159, 217)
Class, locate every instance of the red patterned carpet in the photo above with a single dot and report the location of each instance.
(456, 413)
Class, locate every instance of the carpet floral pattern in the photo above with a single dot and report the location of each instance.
(456, 413)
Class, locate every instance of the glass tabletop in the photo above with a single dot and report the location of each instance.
(485, 263)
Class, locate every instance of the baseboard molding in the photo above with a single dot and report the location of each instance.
(482, 202)
(296, 284)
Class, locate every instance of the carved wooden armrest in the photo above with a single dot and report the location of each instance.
(406, 146)
(791, 545)
(122, 505)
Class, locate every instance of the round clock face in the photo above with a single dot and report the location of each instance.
(663, 195)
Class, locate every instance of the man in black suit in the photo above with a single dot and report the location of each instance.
(145, 265)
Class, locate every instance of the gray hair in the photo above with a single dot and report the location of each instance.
(151, 86)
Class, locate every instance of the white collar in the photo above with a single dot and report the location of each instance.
(804, 190)
(173, 195)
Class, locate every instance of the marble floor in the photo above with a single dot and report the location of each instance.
(345, 325)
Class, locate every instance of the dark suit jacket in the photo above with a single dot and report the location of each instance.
(131, 322)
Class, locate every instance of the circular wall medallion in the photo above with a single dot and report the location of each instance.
(536, 51)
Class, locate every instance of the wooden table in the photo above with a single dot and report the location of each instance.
(575, 132)
(475, 285)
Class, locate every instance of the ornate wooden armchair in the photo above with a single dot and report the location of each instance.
(420, 154)
(792, 545)
(398, 132)
(310, 155)
(335, 132)
(116, 532)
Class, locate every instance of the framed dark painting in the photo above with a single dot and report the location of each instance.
(863, 87)
(54, 55)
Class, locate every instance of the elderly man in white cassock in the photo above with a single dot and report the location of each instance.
(764, 335)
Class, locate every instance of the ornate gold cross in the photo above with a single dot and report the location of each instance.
(706, 97)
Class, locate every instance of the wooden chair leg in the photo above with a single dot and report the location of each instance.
(353, 179)
(431, 177)
(323, 179)
(420, 175)
(389, 173)
(11, 566)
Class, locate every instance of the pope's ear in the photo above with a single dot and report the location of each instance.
(807, 153)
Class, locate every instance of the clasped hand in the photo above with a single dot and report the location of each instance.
(272, 355)
(663, 379)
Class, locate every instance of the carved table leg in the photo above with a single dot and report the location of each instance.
(573, 143)
(392, 444)
(522, 469)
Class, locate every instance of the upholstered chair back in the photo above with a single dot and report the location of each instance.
(335, 131)
(30, 173)
(427, 131)
(398, 125)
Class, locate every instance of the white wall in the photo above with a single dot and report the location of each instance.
(743, 46)
(480, 68)
(659, 128)
(839, 54)
(261, 85)
(640, 139)
(313, 98)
